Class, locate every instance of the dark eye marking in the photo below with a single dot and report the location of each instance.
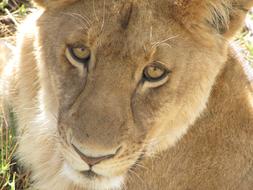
(126, 13)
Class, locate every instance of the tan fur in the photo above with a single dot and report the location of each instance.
(193, 132)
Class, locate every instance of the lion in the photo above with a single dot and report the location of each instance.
(132, 94)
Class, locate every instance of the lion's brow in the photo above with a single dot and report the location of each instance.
(126, 13)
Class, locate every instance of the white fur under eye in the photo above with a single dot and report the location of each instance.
(82, 69)
(72, 60)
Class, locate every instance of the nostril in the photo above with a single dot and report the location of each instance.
(91, 161)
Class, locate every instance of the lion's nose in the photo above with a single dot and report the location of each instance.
(91, 161)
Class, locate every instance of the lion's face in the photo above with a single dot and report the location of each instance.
(124, 80)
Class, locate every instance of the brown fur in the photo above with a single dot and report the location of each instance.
(217, 151)
(108, 107)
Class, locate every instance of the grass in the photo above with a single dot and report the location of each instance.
(11, 176)
(12, 12)
(8, 146)
(245, 38)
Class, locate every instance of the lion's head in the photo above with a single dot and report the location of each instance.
(125, 79)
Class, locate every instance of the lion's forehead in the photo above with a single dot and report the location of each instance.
(136, 24)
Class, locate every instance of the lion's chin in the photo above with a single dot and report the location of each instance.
(91, 180)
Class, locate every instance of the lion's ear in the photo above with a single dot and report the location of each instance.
(224, 17)
(53, 3)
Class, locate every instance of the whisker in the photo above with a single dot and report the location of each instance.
(156, 44)
(83, 25)
(151, 34)
(161, 62)
(94, 10)
(103, 22)
(142, 181)
(165, 44)
(84, 18)
(141, 166)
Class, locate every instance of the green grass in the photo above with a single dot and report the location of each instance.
(14, 6)
(11, 176)
(245, 38)
(8, 146)
(11, 13)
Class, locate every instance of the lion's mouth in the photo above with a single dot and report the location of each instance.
(91, 179)
(90, 174)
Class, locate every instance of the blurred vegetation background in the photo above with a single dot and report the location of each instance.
(12, 12)
(12, 177)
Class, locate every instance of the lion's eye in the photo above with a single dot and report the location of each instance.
(155, 72)
(80, 54)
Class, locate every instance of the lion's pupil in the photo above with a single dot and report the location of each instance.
(155, 72)
(81, 52)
